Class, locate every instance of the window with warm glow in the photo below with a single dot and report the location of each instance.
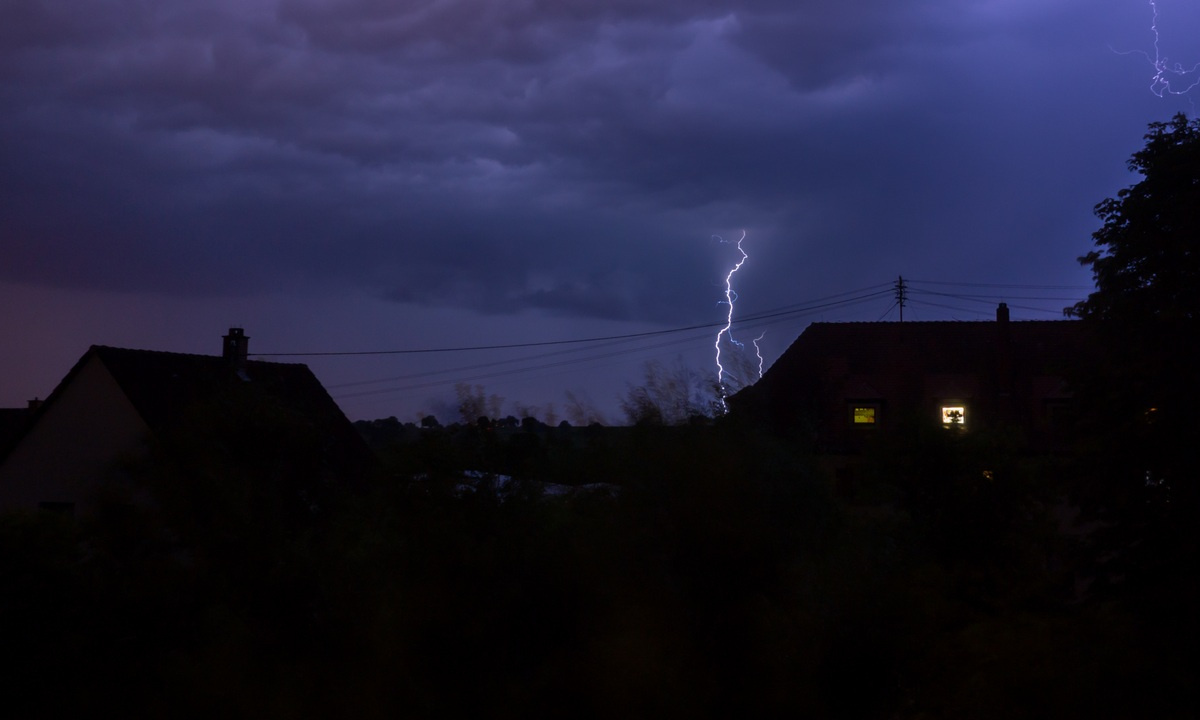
(864, 415)
(954, 415)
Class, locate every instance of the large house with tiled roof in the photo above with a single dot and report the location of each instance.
(117, 407)
(844, 384)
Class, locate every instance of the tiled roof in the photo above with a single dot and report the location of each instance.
(941, 347)
(163, 386)
(168, 389)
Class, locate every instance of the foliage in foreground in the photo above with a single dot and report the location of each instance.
(722, 579)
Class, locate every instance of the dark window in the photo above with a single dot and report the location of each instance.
(1058, 412)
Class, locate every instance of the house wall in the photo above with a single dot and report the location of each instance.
(87, 426)
(904, 393)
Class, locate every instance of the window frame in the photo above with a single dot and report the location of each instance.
(945, 407)
(853, 406)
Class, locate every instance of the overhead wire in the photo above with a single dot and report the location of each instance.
(600, 351)
(785, 310)
(1003, 285)
(889, 310)
(505, 373)
(926, 303)
(756, 321)
(989, 299)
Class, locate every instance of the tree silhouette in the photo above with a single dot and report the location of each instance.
(1146, 312)
(1146, 264)
(671, 395)
(1136, 396)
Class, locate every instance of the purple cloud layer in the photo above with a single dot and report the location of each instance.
(569, 157)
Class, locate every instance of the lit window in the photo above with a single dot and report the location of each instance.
(954, 415)
(863, 415)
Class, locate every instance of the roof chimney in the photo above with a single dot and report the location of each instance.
(237, 345)
(1004, 363)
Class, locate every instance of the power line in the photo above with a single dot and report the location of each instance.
(548, 343)
(498, 363)
(755, 321)
(602, 350)
(511, 371)
(951, 307)
(989, 299)
(1007, 286)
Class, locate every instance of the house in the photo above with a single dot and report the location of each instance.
(13, 421)
(118, 406)
(846, 384)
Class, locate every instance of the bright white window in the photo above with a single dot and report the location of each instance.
(954, 415)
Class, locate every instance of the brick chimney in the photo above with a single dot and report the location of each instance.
(1004, 364)
(237, 346)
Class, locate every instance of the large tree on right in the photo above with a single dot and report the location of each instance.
(1139, 394)
(1142, 390)
(1147, 258)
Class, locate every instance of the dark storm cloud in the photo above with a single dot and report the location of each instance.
(573, 156)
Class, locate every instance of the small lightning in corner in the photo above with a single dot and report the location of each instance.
(1168, 78)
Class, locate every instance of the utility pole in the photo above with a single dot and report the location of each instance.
(900, 296)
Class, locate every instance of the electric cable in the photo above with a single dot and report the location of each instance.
(548, 343)
(760, 320)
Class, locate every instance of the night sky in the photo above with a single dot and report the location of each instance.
(363, 175)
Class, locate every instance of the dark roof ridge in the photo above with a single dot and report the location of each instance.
(50, 400)
(934, 322)
(106, 348)
(168, 390)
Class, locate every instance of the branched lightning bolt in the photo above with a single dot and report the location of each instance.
(730, 299)
(1160, 84)
(1165, 71)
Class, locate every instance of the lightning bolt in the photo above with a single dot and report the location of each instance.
(1160, 84)
(758, 354)
(1164, 71)
(730, 299)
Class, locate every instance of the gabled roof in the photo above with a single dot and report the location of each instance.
(167, 389)
(163, 386)
(943, 347)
